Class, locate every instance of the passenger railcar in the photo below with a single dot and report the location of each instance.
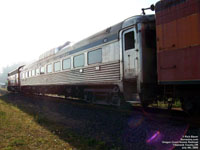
(14, 81)
(141, 59)
(178, 50)
(113, 63)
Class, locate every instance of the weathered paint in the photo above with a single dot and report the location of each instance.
(179, 33)
(178, 40)
(179, 65)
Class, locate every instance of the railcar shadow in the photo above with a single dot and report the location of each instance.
(81, 125)
(88, 127)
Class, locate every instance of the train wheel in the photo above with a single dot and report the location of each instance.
(115, 99)
(108, 98)
(115, 96)
(89, 97)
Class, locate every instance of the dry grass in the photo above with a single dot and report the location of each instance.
(19, 131)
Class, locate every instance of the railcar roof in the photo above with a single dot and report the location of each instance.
(106, 35)
(113, 30)
(161, 5)
(15, 71)
(101, 37)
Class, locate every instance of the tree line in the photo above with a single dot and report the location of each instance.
(7, 69)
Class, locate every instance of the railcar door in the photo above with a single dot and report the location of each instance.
(130, 53)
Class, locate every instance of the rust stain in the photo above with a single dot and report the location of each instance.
(178, 41)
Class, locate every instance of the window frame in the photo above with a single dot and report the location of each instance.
(32, 72)
(22, 75)
(37, 73)
(124, 39)
(47, 68)
(27, 74)
(94, 51)
(83, 60)
(41, 70)
(69, 63)
(54, 68)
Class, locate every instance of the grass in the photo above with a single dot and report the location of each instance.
(30, 131)
(164, 105)
(176, 105)
(19, 131)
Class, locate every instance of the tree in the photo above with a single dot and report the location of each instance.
(6, 70)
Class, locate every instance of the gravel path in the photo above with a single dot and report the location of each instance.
(135, 131)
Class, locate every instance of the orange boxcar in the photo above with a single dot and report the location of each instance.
(178, 41)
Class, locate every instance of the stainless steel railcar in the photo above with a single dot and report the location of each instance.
(14, 82)
(117, 62)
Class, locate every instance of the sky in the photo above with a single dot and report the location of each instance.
(29, 28)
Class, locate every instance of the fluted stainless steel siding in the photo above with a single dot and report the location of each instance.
(108, 73)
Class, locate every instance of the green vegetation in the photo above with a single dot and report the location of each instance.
(164, 105)
(22, 131)
(7, 69)
(176, 105)
(19, 131)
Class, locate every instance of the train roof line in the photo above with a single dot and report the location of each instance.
(110, 33)
(15, 70)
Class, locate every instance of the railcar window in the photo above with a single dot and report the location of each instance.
(49, 68)
(16, 78)
(79, 61)
(22, 75)
(95, 56)
(37, 71)
(66, 64)
(57, 66)
(42, 70)
(29, 73)
(33, 72)
(129, 40)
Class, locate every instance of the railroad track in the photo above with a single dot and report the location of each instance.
(151, 113)
(107, 123)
